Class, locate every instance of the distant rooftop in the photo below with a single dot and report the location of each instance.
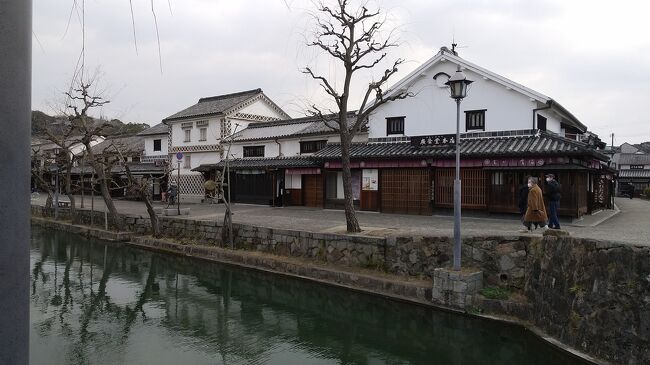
(214, 105)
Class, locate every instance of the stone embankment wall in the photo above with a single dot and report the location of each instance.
(591, 295)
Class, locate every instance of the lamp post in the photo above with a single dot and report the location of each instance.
(458, 89)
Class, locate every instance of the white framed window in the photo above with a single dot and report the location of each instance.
(203, 134)
(187, 161)
(188, 135)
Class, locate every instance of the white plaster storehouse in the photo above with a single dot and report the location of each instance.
(508, 131)
(156, 143)
(493, 103)
(198, 131)
(271, 161)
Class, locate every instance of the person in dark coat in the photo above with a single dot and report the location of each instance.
(523, 197)
(553, 194)
(535, 211)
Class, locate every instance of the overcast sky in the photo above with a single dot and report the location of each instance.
(591, 56)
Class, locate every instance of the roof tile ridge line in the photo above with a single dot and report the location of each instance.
(253, 98)
(276, 123)
(230, 95)
(501, 78)
(564, 139)
(475, 68)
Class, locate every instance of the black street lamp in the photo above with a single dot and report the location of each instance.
(458, 89)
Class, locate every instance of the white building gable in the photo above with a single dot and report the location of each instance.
(505, 105)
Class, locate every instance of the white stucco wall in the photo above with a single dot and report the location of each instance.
(290, 147)
(148, 145)
(196, 159)
(432, 111)
(213, 132)
(260, 107)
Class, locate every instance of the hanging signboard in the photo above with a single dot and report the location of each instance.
(434, 140)
(370, 179)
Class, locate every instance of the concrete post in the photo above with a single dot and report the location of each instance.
(15, 131)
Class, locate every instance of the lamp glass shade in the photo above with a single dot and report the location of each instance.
(458, 85)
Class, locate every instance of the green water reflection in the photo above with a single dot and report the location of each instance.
(93, 303)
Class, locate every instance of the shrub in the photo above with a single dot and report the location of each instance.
(495, 292)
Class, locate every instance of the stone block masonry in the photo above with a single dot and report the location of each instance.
(591, 295)
(456, 289)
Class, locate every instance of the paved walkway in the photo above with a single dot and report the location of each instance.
(631, 225)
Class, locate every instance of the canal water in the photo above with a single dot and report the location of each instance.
(97, 303)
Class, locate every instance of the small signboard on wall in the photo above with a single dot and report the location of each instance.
(434, 140)
(370, 179)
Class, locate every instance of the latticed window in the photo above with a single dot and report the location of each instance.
(253, 151)
(475, 120)
(225, 128)
(203, 134)
(188, 135)
(312, 146)
(394, 125)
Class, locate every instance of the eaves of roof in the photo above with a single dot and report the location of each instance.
(260, 163)
(542, 144)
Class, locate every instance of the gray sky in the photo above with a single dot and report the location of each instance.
(591, 56)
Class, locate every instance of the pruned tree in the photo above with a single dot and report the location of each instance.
(82, 98)
(141, 187)
(63, 136)
(38, 173)
(352, 36)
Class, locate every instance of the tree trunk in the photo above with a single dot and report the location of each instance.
(103, 186)
(350, 215)
(68, 191)
(155, 227)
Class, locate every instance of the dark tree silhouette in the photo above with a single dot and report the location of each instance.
(352, 37)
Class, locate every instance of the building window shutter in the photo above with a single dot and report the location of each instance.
(312, 146)
(394, 125)
(253, 151)
(541, 122)
(475, 120)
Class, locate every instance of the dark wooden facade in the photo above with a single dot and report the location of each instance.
(405, 191)
(312, 191)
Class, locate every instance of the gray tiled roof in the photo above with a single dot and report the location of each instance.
(542, 144)
(214, 105)
(136, 168)
(289, 128)
(129, 145)
(159, 128)
(634, 173)
(634, 159)
(260, 163)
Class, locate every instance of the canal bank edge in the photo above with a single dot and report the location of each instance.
(590, 295)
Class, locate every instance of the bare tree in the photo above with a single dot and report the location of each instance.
(38, 173)
(352, 37)
(143, 188)
(62, 135)
(81, 98)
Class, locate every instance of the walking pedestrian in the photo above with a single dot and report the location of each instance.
(535, 210)
(554, 194)
(523, 198)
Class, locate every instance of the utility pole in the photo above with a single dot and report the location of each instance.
(15, 112)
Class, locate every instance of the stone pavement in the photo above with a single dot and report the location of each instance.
(631, 225)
